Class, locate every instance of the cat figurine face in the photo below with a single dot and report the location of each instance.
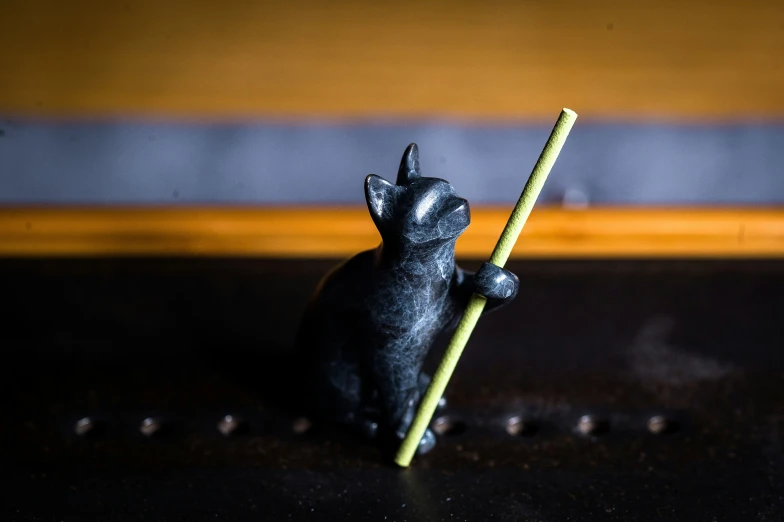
(416, 211)
(372, 320)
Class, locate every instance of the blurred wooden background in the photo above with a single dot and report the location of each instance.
(496, 59)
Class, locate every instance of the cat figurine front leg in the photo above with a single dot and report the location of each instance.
(498, 286)
(373, 319)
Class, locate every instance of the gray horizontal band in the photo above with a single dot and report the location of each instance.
(324, 163)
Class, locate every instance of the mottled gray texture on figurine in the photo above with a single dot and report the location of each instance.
(373, 319)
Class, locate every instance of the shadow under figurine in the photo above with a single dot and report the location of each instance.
(368, 328)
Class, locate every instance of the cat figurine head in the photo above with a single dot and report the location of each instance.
(415, 211)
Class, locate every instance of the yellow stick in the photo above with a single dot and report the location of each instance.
(477, 303)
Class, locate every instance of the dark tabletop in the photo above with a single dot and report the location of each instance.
(636, 390)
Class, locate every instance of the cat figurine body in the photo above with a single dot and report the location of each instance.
(372, 320)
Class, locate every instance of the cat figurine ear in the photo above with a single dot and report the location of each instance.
(409, 166)
(380, 195)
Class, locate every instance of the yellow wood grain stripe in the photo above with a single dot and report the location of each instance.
(499, 59)
(341, 232)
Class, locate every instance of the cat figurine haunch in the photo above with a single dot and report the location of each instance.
(366, 331)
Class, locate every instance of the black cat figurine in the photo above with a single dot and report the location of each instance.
(373, 319)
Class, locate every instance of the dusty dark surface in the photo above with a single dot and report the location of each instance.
(699, 343)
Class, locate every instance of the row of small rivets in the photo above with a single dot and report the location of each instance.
(590, 425)
(228, 425)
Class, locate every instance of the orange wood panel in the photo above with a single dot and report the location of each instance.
(501, 59)
(341, 232)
